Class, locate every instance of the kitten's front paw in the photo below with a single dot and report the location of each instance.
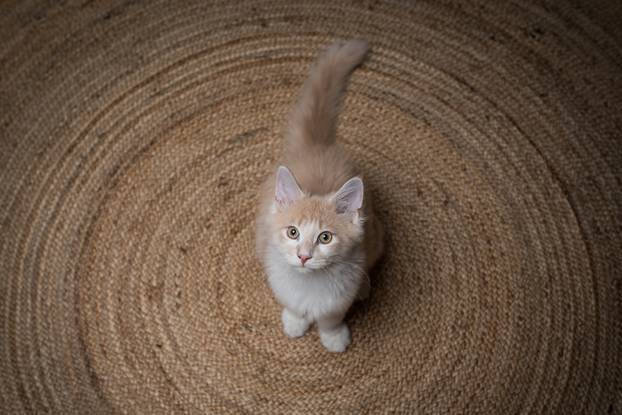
(293, 325)
(337, 339)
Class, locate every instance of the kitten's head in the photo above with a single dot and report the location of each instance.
(313, 232)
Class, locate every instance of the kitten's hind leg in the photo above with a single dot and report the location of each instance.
(334, 333)
(293, 325)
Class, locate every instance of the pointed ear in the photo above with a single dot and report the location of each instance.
(349, 198)
(287, 190)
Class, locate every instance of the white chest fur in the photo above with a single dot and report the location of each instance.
(314, 293)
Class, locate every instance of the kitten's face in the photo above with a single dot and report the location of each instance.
(316, 232)
(310, 234)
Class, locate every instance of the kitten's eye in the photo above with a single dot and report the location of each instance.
(292, 232)
(325, 237)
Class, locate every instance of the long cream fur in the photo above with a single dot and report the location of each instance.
(317, 189)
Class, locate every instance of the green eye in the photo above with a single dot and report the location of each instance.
(325, 237)
(292, 232)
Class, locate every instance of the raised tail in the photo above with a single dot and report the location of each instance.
(313, 119)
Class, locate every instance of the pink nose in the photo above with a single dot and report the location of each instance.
(304, 258)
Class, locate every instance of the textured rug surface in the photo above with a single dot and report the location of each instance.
(133, 136)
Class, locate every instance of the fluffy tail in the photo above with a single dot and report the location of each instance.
(313, 119)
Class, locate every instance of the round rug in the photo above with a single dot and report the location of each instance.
(133, 138)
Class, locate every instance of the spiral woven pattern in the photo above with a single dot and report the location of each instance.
(133, 138)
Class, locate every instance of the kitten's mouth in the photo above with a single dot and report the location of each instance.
(311, 267)
(305, 267)
(308, 265)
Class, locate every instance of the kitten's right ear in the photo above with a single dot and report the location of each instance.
(287, 190)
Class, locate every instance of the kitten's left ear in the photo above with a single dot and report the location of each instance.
(287, 190)
(349, 198)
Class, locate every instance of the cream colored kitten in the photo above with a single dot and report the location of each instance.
(316, 234)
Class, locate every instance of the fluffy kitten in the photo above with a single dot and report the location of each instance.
(316, 234)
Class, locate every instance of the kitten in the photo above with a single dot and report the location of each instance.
(316, 234)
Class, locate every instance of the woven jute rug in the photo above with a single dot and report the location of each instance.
(133, 138)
